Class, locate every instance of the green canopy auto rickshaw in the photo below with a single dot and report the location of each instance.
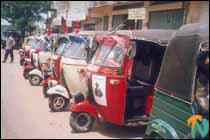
(177, 85)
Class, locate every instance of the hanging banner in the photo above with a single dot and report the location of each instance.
(78, 11)
(137, 13)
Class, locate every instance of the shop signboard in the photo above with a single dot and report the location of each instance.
(136, 13)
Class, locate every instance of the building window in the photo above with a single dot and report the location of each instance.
(89, 27)
(168, 19)
(106, 23)
(129, 24)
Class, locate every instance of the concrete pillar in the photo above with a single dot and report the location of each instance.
(194, 12)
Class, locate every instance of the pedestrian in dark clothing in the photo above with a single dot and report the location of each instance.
(10, 42)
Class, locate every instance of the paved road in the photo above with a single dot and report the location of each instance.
(25, 112)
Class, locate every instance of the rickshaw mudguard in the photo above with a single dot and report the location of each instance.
(161, 128)
(58, 90)
(36, 72)
(84, 106)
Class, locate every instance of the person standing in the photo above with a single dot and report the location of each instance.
(10, 42)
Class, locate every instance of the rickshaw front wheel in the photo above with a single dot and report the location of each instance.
(22, 62)
(57, 103)
(81, 122)
(35, 80)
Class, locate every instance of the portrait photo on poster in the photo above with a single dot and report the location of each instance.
(99, 89)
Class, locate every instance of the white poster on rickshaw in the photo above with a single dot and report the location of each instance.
(99, 89)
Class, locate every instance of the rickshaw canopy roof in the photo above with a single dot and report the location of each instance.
(161, 37)
(177, 75)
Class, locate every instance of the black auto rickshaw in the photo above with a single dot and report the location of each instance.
(177, 107)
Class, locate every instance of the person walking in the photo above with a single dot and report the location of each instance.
(10, 42)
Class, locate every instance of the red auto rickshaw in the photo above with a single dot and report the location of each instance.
(121, 80)
(59, 49)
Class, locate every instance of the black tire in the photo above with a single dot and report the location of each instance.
(77, 124)
(44, 90)
(146, 137)
(35, 80)
(152, 136)
(54, 105)
(26, 73)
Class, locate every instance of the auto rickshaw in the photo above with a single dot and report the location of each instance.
(24, 52)
(175, 98)
(39, 53)
(44, 54)
(121, 80)
(30, 59)
(72, 70)
(60, 47)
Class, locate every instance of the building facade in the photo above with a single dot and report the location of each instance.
(107, 15)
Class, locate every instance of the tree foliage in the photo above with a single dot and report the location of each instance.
(22, 14)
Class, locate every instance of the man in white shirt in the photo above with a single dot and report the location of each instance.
(10, 42)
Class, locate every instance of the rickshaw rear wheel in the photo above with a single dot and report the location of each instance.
(152, 136)
(81, 122)
(57, 103)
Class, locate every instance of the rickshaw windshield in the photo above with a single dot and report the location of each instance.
(34, 44)
(76, 49)
(45, 46)
(110, 56)
(61, 48)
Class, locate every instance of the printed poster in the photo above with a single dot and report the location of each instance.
(99, 89)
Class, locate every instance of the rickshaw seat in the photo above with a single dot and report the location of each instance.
(140, 90)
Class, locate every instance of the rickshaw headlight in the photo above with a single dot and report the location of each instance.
(78, 97)
(52, 83)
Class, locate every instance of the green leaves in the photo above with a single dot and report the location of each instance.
(23, 14)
